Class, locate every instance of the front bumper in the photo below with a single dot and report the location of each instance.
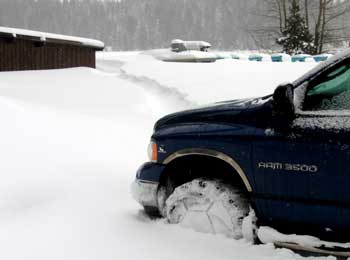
(144, 189)
(145, 193)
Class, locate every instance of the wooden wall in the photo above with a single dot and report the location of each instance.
(21, 54)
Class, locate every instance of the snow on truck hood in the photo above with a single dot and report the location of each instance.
(212, 112)
(223, 111)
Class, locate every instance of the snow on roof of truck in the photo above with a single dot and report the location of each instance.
(49, 37)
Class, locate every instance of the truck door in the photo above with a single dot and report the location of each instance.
(302, 173)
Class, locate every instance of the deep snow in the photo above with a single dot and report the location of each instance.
(71, 141)
(203, 83)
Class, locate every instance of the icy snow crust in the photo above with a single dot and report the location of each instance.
(43, 36)
(71, 141)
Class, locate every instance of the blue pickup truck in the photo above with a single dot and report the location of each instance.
(281, 161)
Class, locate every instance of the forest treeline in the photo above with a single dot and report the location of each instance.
(146, 24)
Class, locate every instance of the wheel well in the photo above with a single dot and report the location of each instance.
(187, 168)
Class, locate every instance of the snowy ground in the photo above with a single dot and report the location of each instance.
(71, 141)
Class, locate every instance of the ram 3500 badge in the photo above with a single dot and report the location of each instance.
(279, 161)
(288, 167)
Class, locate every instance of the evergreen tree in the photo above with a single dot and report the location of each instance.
(296, 36)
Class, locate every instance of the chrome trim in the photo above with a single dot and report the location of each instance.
(148, 182)
(211, 153)
(297, 247)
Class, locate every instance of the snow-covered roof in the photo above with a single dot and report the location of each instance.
(197, 43)
(50, 37)
(177, 41)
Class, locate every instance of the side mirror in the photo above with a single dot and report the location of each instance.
(283, 101)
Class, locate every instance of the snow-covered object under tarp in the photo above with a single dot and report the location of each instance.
(322, 57)
(235, 56)
(259, 57)
(240, 56)
(44, 37)
(223, 55)
(300, 57)
(280, 57)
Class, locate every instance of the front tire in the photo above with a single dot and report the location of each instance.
(208, 206)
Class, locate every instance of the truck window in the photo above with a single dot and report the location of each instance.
(331, 91)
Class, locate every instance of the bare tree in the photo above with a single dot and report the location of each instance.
(269, 23)
(306, 6)
(329, 29)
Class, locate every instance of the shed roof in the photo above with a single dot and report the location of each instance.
(7, 32)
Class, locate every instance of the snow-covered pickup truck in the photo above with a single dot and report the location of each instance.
(260, 168)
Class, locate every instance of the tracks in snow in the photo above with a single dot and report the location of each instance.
(162, 99)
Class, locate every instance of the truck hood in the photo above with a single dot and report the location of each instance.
(223, 112)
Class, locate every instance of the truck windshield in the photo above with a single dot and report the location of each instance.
(334, 83)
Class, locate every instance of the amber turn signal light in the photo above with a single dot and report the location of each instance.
(153, 152)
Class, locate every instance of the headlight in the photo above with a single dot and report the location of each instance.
(152, 152)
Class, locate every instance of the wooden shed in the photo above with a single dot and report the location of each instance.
(32, 50)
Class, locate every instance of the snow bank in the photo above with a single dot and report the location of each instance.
(183, 56)
(63, 175)
(71, 141)
(75, 90)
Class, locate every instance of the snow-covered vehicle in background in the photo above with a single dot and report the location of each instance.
(189, 51)
(247, 168)
(178, 45)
